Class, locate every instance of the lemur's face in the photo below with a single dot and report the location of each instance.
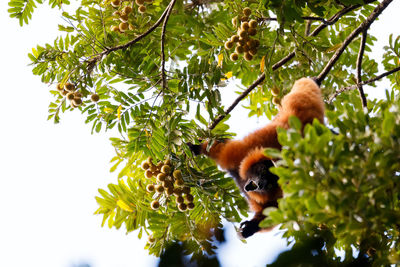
(260, 178)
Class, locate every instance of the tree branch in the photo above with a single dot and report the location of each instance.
(332, 20)
(358, 67)
(140, 37)
(233, 105)
(351, 87)
(363, 26)
(309, 18)
(164, 26)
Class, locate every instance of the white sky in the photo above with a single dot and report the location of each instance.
(49, 174)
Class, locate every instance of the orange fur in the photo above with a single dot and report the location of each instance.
(304, 101)
(237, 156)
(252, 157)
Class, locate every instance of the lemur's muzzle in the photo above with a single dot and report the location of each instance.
(261, 184)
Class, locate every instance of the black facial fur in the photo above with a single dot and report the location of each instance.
(240, 182)
(260, 178)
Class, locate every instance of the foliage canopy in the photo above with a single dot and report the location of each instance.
(157, 71)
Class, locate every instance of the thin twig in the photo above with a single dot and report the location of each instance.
(164, 26)
(351, 87)
(359, 68)
(332, 20)
(308, 18)
(363, 26)
(308, 28)
(233, 105)
(140, 37)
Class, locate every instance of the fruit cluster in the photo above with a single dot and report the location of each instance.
(275, 93)
(244, 43)
(169, 183)
(124, 11)
(74, 96)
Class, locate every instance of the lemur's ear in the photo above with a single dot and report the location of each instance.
(196, 149)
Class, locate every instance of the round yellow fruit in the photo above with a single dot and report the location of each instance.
(252, 31)
(155, 205)
(177, 191)
(189, 198)
(186, 190)
(60, 87)
(179, 199)
(150, 188)
(245, 26)
(235, 38)
(245, 18)
(235, 21)
(159, 188)
(69, 87)
(247, 11)
(253, 51)
(148, 174)
(169, 191)
(115, 3)
(115, 28)
(168, 184)
(151, 239)
(190, 205)
(77, 94)
(239, 49)
(123, 26)
(275, 91)
(70, 96)
(234, 56)
(127, 10)
(247, 56)
(64, 92)
(95, 97)
(145, 165)
(276, 101)
(77, 101)
(124, 18)
(243, 34)
(153, 168)
(228, 45)
(166, 169)
(139, 2)
(161, 177)
(179, 182)
(182, 206)
(177, 174)
(142, 9)
(253, 23)
(241, 42)
(251, 43)
(150, 160)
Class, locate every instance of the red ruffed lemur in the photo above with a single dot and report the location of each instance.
(245, 161)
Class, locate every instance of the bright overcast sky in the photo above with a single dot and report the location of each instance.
(50, 173)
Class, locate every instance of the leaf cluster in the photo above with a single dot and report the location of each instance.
(344, 188)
